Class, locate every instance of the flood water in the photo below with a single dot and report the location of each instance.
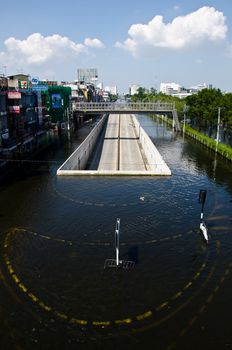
(57, 232)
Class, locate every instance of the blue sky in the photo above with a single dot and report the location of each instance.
(127, 40)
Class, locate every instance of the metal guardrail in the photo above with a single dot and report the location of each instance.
(123, 107)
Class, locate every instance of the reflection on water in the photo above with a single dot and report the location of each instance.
(57, 232)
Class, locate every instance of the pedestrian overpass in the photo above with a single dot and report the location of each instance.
(128, 108)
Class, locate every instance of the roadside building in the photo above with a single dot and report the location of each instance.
(20, 126)
(4, 132)
(22, 111)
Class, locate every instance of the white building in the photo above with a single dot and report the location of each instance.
(181, 92)
(170, 88)
(111, 89)
(133, 89)
(200, 87)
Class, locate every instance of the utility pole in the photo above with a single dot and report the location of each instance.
(184, 110)
(218, 127)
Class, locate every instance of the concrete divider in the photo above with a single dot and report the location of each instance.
(152, 155)
(79, 158)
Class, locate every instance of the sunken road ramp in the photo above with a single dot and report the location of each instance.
(117, 145)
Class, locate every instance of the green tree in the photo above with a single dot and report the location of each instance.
(153, 91)
(227, 112)
(203, 106)
(141, 93)
(113, 97)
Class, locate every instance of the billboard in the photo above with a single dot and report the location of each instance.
(56, 101)
(87, 75)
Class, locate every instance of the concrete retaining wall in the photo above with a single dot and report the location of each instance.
(79, 158)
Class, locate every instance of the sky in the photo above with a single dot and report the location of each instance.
(142, 42)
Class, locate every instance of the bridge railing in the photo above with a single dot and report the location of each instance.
(128, 106)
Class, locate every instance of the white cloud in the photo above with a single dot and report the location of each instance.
(95, 43)
(204, 25)
(39, 50)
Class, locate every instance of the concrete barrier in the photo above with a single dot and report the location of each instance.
(79, 158)
(152, 155)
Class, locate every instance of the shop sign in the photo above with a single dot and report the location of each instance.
(35, 81)
(14, 95)
(39, 88)
(23, 84)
